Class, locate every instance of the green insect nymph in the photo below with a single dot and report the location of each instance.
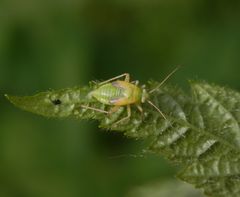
(119, 93)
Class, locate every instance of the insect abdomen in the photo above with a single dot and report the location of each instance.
(107, 93)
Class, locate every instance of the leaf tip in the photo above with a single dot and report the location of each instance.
(12, 99)
(8, 97)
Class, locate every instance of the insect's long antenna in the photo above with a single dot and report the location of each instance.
(164, 80)
(157, 109)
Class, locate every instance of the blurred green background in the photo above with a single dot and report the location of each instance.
(58, 44)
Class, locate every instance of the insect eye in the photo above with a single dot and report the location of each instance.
(56, 102)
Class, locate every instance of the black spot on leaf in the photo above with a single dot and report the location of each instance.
(56, 102)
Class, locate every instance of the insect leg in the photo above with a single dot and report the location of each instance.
(141, 110)
(135, 82)
(113, 109)
(127, 117)
(126, 75)
(94, 109)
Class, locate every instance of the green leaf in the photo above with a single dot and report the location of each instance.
(201, 132)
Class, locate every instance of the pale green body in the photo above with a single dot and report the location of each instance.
(118, 93)
(123, 93)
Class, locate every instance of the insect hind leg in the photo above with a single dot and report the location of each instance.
(126, 75)
(94, 109)
(125, 118)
